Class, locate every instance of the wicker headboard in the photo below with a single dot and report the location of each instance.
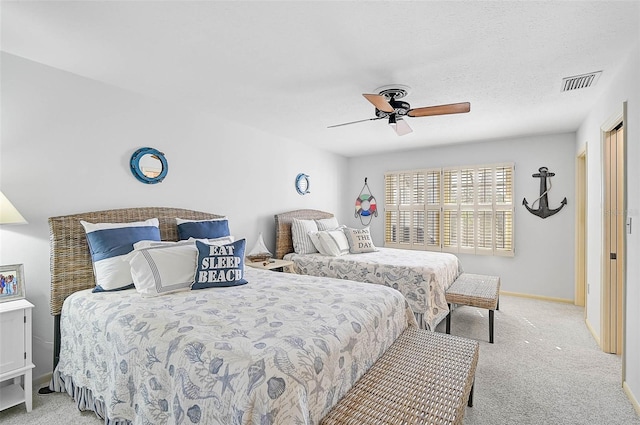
(71, 268)
(284, 243)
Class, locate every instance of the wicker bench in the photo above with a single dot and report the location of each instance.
(423, 378)
(475, 290)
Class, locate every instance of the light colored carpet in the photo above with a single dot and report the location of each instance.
(544, 368)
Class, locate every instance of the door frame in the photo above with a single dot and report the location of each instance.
(605, 311)
(580, 294)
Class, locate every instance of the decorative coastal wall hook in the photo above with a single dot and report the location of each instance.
(366, 204)
(543, 210)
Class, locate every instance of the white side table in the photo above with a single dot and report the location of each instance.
(15, 353)
(276, 265)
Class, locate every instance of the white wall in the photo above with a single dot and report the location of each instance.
(543, 264)
(66, 145)
(624, 88)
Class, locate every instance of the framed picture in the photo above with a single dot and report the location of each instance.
(11, 282)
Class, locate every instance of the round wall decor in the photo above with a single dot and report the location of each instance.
(149, 165)
(302, 184)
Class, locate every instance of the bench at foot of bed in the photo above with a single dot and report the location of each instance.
(475, 290)
(424, 378)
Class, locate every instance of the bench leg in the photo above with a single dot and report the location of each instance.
(449, 320)
(491, 313)
(470, 402)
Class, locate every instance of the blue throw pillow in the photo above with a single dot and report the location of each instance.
(109, 243)
(202, 229)
(220, 265)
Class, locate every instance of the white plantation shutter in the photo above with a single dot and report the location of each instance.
(406, 212)
(432, 189)
(467, 231)
(504, 210)
(450, 188)
(404, 181)
(450, 228)
(485, 230)
(455, 209)
(450, 234)
(485, 186)
(504, 231)
(391, 214)
(405, 227)
(467, 192)
(432, 228)
(417, 222)
(504, 185)
(391, 227)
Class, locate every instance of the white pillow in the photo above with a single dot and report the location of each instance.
(215, 241)
(109, 242)
(162, 269)
(299, 234)
(315, 239)
(328, 223)
(149, 244)
(223, 240)
(359, 240)
(334, 242)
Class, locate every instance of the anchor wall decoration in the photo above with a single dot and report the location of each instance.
(543, 210)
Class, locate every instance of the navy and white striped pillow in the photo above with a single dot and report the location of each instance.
(109, 243)
(202, 229)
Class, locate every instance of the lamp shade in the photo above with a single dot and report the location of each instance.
(8, 213)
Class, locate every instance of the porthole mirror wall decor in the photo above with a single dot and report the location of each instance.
(302, 184)
(149, 165)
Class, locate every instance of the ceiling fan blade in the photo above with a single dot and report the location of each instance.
(401, 127)
(379, 102)
(354, 122)
(453, 108)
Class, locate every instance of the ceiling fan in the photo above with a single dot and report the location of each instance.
(389, 106)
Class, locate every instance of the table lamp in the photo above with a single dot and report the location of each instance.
(8, 213)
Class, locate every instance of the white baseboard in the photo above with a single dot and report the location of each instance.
(538, 297)
(632, 398)
(593, 332)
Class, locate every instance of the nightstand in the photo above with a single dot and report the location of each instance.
(15, 353)
(275, 265)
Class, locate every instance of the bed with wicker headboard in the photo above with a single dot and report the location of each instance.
(242, 354)
(421, 276)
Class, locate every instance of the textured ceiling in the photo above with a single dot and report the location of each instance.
(293, 68)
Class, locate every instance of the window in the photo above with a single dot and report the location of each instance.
(453, 209)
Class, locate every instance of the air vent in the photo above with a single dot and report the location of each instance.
(580, 81)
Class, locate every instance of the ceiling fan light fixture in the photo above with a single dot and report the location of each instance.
(399, 125)
(402, 127)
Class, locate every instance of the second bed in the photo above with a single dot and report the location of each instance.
(421, 276)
